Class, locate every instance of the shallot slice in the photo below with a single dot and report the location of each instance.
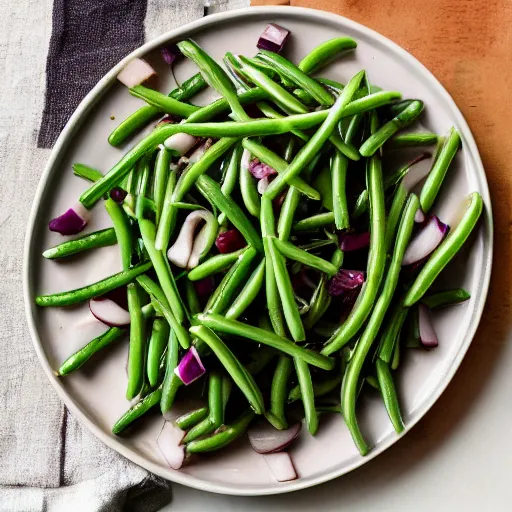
(264, 438)
(169, 443)
(281, 466)
(108, 312)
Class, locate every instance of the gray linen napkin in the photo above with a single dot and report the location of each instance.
(47, 460)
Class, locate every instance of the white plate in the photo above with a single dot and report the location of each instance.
(95, 394)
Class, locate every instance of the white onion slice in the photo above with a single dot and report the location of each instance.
(281, 466)
(264, 438)
(180, 143)
(108, 312)
(419, 216)
(135, 72)
(428, 336)
(169, 443)
(424, 243)
(263, 185)
(179, 253)
(200, 151)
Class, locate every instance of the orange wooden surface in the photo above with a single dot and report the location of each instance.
(467, 44)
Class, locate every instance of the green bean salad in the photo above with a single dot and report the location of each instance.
(274, 265)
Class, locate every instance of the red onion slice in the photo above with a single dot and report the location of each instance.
(346, 282)
(108, 312)
(260, 170)
(230, 241)
(136, 72)
(264, 438)
(273, 38)
(428, 336)
(281, 466)
(425, 242)
(169, 443)
(190, 368)
(70, 222)
(354, 241)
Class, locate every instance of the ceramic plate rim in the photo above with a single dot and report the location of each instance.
(66, 136)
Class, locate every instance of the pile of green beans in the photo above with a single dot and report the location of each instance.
(264, 315)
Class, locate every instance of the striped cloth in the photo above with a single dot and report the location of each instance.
(47, 461)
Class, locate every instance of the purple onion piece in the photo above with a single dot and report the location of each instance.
(426, 241)
(204, 287)
(346, 283)
(118, 195)
(428, 336)
(273, 38)
(190, 368)
(170, 54)
(354, 241)
(230, 241)
(71, 222)
(260, 170)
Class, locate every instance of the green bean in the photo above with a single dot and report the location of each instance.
(214, 75)
(279, 95)
(319, 389)
(248, 293)
(290, 204)
(167, 104)
(222, 324)
(123, 231)
(385, 132)
(222, 296)
(350, 387)
(296, 75)
(216, 411)
(215, 264)
(436, 175)
(446, 250)
(271, 289)
(157, 297)
(388, 391)
(167, 216)
(255, 128)
(395, 212)
(248, 187)
(136, 411)
(290, 251)
(226, 436)
(86, 172)
(314, 222)
(320, 302)
(79, 358)
(337, 258)
(210, 189)
(101, 238)
(162, 161)
(285, 289)
(361, 205)
(230, 178)
(339, 167)
(313, 146)
(146, 114)
(137, 343)
(376, 262)
(143, 173)
(392, 331)
(276, 414)
(234, 69)
(165, 277)
(405, 140)
(191, 419)
(171, 382)
(237, 372)
(324, 53)
(307, 395)
(304, 97)
(191, 298)
(157, 343)
(276, 162)
(446, 298)
(396, 357)
(93, 290)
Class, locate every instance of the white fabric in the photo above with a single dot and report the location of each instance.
(47, 460)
